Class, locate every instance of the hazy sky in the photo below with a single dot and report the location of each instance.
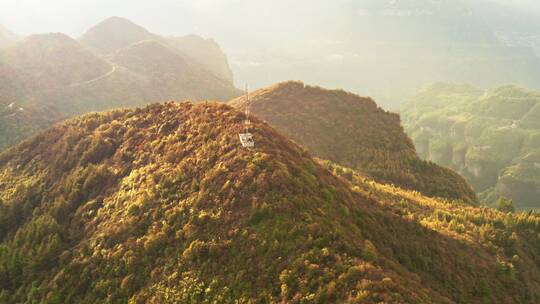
(174, 16)
(75, 16)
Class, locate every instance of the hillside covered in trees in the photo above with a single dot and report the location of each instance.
(354, 132)
(491, 137)
(163, 205)
(115, 64)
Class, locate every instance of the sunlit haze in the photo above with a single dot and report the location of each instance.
(331, 43)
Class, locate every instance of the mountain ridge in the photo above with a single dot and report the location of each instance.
(102, 39)
(354, 132)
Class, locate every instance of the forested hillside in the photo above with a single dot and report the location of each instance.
(163, 205)
(491, 137)
(354, 132)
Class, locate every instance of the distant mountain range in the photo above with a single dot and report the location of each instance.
(491, 137)
(388, 48)
(353, 132)
(115, 64)
(163, 205)
(118, 33)
(379, 48)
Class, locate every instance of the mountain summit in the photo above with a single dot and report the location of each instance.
(113, 34)
(354, 132)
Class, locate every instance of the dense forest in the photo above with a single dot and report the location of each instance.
(491, 137)
(354, 132)
(163, 205)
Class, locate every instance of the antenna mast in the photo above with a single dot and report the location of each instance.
(247, 122)
(246, 138)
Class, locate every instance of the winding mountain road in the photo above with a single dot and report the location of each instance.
(78, 84)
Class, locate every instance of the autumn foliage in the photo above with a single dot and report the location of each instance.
(163, 205)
